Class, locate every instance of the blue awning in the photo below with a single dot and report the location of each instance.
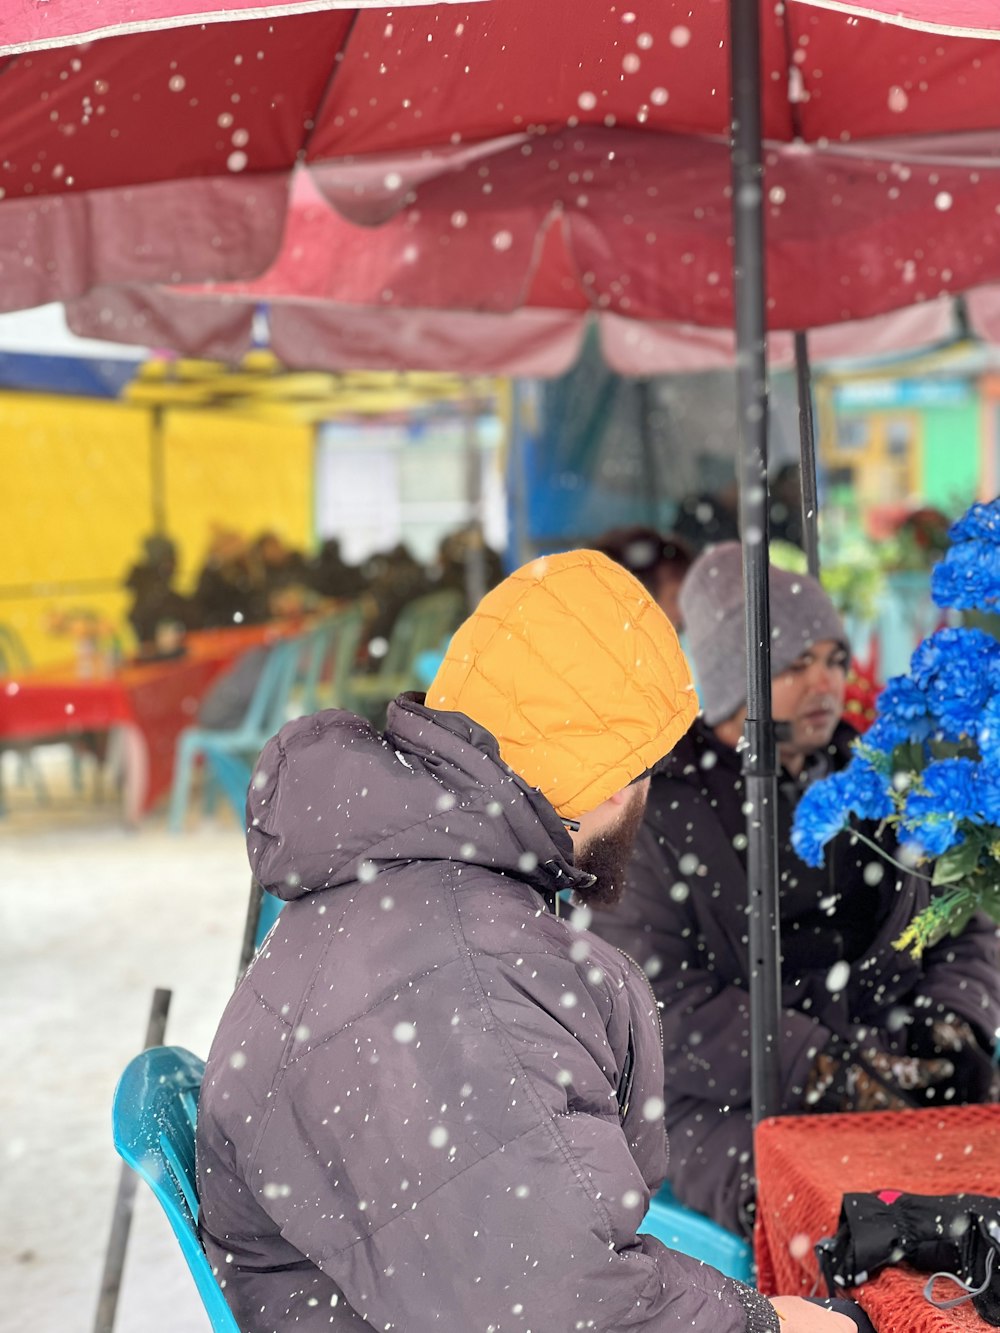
(83, 377)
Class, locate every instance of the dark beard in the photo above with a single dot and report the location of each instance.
(607, 856)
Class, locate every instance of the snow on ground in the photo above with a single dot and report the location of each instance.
(92, 918)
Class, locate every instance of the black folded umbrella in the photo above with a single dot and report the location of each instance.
(952, 1236)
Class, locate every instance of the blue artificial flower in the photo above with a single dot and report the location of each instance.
(951, 693)
(988, 793)
(903, 714)
(988, 731)
(952, 649)
(869, 793)
(968, 577)
(979, 523)
(954, 670)
(945, 795)
(820, 815)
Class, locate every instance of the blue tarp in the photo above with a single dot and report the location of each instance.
(585, 457)
(594, 450)
(81, 377)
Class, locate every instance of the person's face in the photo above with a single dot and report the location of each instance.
(809, 695)
(605, 851)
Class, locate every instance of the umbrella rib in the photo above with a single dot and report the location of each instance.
(328, 86)
(794, 112)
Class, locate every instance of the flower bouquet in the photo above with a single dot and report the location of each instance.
(929, 767)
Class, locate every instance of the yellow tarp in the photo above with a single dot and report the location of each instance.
(79, 476)
(76, 500)
(243, 474)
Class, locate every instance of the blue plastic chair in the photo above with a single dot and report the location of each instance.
(328, 661)
(153, 1124)
(154, 1115)
(231, 773)
(324, 667)
(270, 910)
(420, 626)
(265, 714)
(693, 1234)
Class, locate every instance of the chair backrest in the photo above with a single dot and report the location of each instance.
(153, 1124)
(681, 1228)
(343, 653)
(420, 625)
(270, 910)
(329, 658)
(441, 615)
(267, 710)
(399, 650)
(310, 668)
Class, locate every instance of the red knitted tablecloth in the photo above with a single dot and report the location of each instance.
(805, 1164)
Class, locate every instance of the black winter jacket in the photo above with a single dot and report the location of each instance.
(684, 919)
(432, 1105)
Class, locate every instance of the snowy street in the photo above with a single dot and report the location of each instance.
(93, 918)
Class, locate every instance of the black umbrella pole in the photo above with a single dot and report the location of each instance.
(807, 455)
(760, 781)
(764, 943)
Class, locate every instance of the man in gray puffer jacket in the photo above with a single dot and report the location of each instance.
(434, 1103)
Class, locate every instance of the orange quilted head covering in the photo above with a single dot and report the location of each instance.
(578, 674)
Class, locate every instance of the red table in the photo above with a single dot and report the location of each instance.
(150, 702)
(805, 1164)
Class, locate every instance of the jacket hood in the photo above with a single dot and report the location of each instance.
(333, 801)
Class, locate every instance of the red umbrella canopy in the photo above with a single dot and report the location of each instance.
(332, 302)
(487, 134)
(26, 25)
(960, 18)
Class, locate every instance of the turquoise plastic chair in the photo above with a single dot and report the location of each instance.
(270, 910)
(266, 713)
(231, 773)
(153, 1124)
(332, 647)
(422, 625)
(153, 1118)
(691, 1233)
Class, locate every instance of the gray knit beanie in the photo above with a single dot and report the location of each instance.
(712, 604)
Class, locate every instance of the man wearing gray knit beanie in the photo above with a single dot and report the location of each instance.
(864, 1027)
(805, 628)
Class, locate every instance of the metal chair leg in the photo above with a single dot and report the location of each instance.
(187, 752)
(121, 1218)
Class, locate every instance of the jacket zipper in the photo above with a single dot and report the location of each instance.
(659, 1023)
(652, 993)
